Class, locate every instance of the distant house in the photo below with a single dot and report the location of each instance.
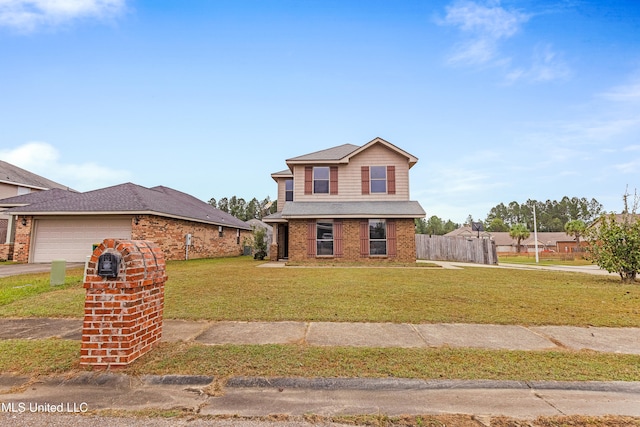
(15, 181)
(347, 203)
(547, 241)
(65, 225)
(256, 223)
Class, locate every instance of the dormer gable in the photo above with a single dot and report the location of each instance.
(342, 154)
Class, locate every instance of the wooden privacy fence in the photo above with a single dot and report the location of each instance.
(462, 249)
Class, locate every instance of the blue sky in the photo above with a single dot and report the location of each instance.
(500, 101)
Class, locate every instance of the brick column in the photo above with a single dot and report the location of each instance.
(123, 315)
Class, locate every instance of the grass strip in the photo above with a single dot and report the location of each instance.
(38, 357)
(54, 356)
(441, 363)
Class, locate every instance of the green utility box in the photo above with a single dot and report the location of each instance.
(58, 271)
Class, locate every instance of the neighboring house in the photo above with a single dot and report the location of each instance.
(547, 241)
(15, 181)
(65, 225)
(256, 223)
(346, 203)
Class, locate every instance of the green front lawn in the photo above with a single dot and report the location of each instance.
(54, 356)
(235, 289)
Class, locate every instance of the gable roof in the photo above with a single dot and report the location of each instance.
(11, 174)
(344, 153)
(282, 174)
(33, 197)
(132, 199)
(333, 154)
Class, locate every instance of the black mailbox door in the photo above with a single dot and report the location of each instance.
(108, 265)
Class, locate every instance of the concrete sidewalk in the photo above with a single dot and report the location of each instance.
(496, 337)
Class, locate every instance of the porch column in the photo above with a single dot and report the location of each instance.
(273, 248)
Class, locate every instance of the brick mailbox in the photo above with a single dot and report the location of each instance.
(124, 302)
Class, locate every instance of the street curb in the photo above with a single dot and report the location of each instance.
(177, 379)
(120, 380)
(117, 380)
(413, 384)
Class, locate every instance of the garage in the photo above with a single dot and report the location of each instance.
(72, 238)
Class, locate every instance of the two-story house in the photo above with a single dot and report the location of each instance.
(346, 203)
(15, 181)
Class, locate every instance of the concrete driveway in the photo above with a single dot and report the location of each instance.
(16, 269)
(587, 269)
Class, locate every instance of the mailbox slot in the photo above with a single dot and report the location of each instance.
(108, 265)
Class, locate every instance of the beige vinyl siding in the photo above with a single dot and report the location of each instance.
(349, 178)
(7, 190)
(281, 193)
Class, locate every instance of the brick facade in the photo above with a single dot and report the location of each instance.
(168, 233)
(22, 241)
(405, 242)
(123, 315)
(206, 242)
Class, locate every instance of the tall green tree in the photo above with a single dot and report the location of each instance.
(520, 233)
(576, 228)
(435, 226)
(614, 242)
(497, 224)
(252, 210)
(449, 226)
(223, 204)
(421, 225)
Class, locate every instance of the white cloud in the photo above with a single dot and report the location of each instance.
(484, 27)
(29, 15)
(43, 159)
(624, 93)
(630, 167)
(546, 65)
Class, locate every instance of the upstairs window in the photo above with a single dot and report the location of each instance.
(288, 190)
(377, 237)
(378, 179)
(321, 180)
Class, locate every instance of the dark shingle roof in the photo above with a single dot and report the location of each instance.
(334, 153)
(133, 199)
(17, 176)
(33, 197)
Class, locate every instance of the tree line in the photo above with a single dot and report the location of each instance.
(551, 215)
(241, 209)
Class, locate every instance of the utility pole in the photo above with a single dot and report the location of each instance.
(535, 234)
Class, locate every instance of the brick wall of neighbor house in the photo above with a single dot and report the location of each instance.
(6, 251)
(405, 242)
(22, 239)
(169, 234)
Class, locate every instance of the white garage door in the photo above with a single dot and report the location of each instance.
(72, 239)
